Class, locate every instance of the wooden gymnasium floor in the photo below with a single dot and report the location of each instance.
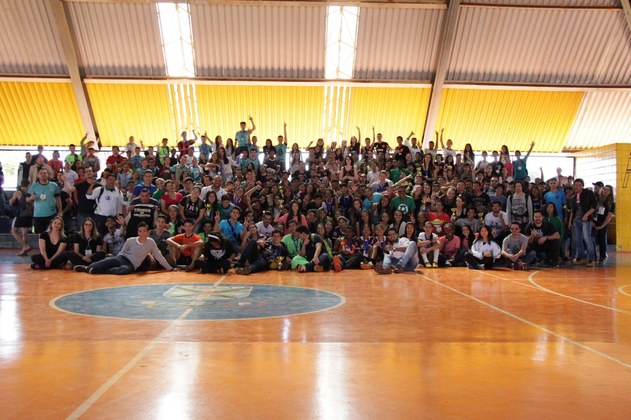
(444, 343)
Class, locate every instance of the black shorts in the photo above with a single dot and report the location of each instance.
(41, 223)
(23, 222)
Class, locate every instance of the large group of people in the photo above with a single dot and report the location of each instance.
(215, 205)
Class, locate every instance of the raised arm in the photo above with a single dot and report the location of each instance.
(253, 125)
(530, 150)
(285, 133)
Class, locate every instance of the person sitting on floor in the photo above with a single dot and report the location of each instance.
(87, 245)
(217, 256)
(261, 254)
(484, 251)
(400, 254)
(134, 252)
(313, 255)
(186, 247)
(514, 249)
(429, 243)
(52, 244)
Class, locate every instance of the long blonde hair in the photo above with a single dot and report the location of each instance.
(62, 233)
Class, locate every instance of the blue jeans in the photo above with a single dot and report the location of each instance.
(112, 265)
(409, 260)
(582, 234)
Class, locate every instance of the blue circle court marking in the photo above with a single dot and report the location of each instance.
(206, 301)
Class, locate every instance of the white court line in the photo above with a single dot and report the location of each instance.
(532, 324)
(621, 288)
(85, 406)
(609, 308)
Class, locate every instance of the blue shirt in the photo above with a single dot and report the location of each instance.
(231, 232)
(242, 138)
(559, 199)
(519, 169)
(44, 204)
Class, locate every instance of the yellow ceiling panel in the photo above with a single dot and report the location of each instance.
(490, 118)
(221, 108)
(393, 111)
(139, 110)
(38, 113)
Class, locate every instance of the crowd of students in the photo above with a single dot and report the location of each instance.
(213, 205)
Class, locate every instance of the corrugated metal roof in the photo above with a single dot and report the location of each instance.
(28, 39)
(488, 118)
(396, 43)
(48, 116)
(259, 41)
(564, 47)
(550, 3)
(118, 39)
(602, 119)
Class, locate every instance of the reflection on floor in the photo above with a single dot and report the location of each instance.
(438, 343)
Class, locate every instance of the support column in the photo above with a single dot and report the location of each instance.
(447, 42)
(69, 46)
(626, 7)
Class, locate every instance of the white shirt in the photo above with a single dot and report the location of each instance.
(109, 203)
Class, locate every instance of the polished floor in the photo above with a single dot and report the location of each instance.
(444, 343)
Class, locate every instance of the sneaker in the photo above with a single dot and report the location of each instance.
(81, 268)
(243, 271)
(448, 263)
(428, 265)
(589, 263)
(318, 268)
(397, 269)
(337, 264)
(434, 265)
(600, 263)
(514, 266)
(366, 266)
(481, 267)
(380, 269)
(521, 266)
(286, 265)
(273, 265)
(580, 262)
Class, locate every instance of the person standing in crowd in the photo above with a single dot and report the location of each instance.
(242, 136)
(581, 222)
(143, 209)
(108, 200)
(24, 219)
(46, 200)
(520, 171)
(605, 211)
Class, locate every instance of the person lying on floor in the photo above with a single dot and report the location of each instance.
(134, 252)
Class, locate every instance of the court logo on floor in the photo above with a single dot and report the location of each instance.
(203, 301)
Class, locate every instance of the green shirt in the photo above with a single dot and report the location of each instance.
(406, 205)
(293, 245)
